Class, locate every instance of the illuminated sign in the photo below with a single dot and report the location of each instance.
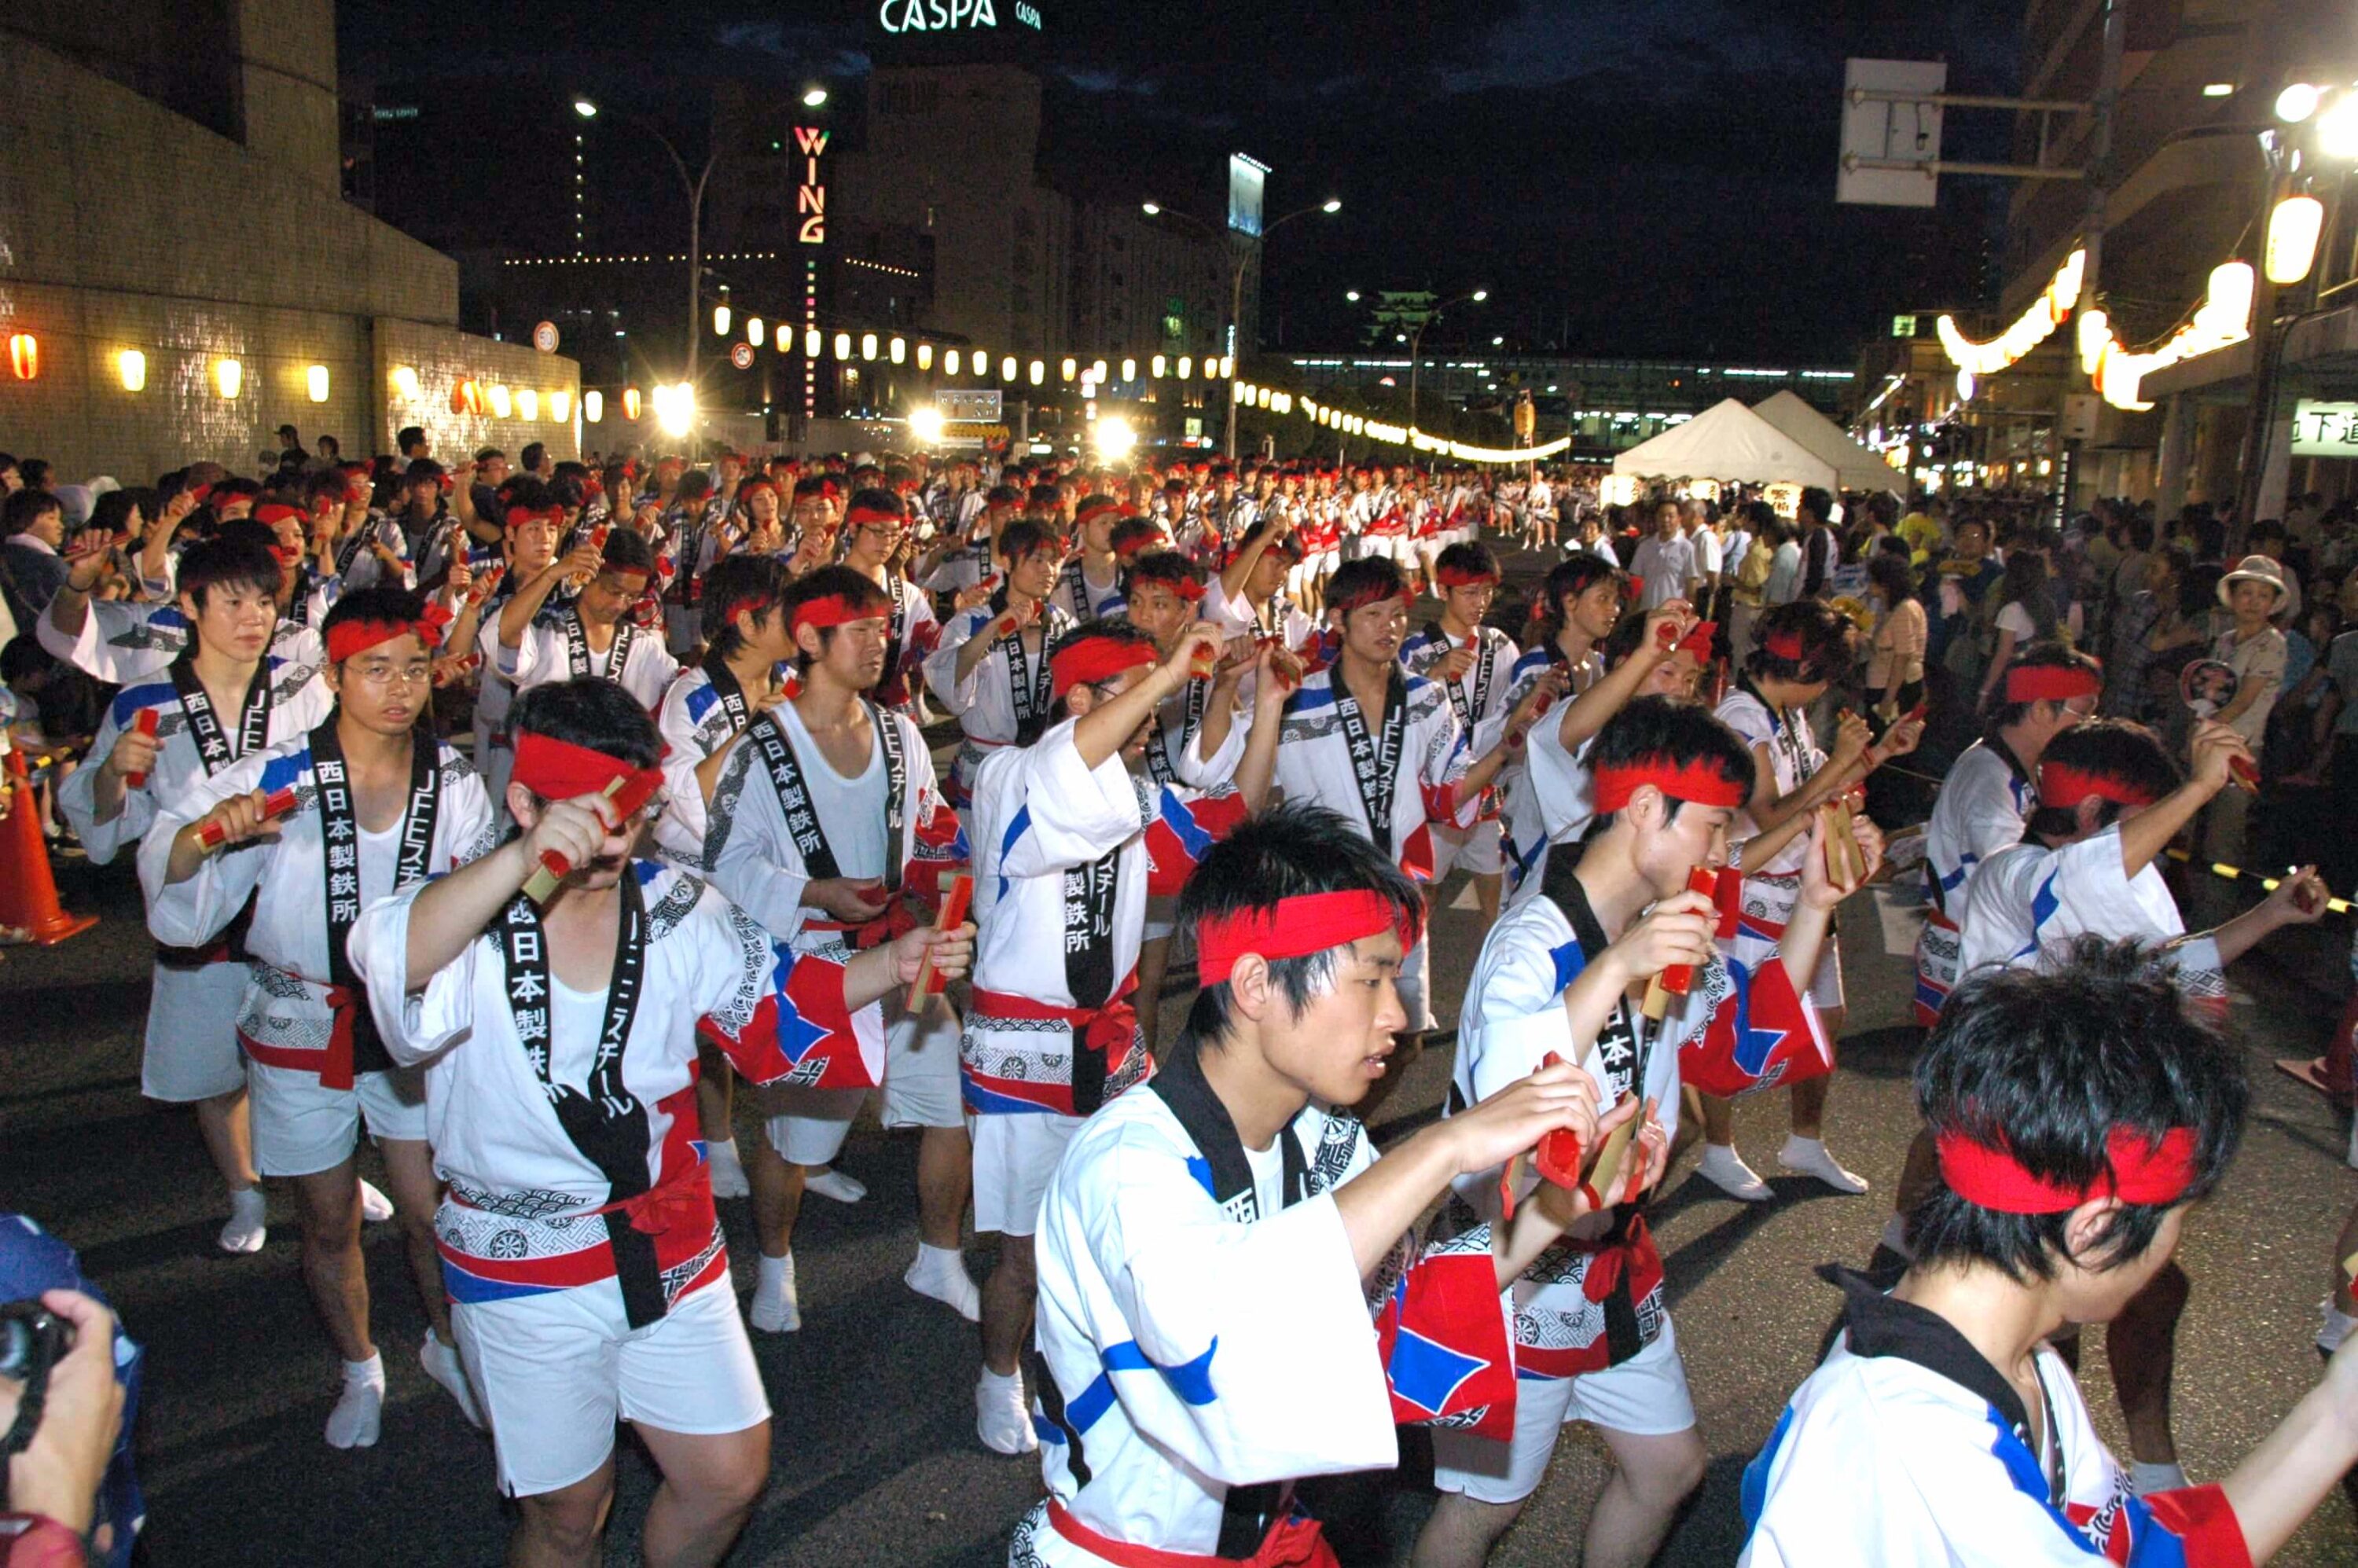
(810, 200)
(1248, 177)
(949, 16)
(972, 406)
(2324, 430)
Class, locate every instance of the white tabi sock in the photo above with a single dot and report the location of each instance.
(775, 1309)
(940, 1272)
(248, 1221)
(2338, 1327)
(2147, 1479)
(353, 1422)
(727, 1171)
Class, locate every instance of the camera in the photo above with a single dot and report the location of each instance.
(32, 1340)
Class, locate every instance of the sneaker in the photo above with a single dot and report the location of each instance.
(1808, 1157)
(1723, 1168)
(775, 1309)
(248, 1222)
(442, 1364)
(360, 1407)
(375, 1207)
(829, 1183)
(727, 1171)
(940, 1272)
(1001, 1419)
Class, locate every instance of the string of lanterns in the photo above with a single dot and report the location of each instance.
(848, 346)
(1343, 422)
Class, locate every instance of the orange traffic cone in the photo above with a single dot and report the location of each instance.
(28, 894)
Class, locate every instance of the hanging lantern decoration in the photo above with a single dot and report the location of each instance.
(1068, 369)
(1186, 366)
(527, 403)
(843, 345)
(897, 349)
(503, 402)
(133, 367)
(227, 377)
(924, 356)
(785, 339)
(2293, 230)
(950, 363)
(404, 383)
(315, 383)
(1130, 370)
(813, 344)
(866, 345)
(24, 355)
(1039, 372)
(1008, 369)
(593, 405)
(1160, 366)
(632, 404)
(720, 320)
(753, 331)
(560, 403)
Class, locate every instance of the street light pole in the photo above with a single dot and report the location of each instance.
(694, 186)
(1416, 343)
(1236, 283)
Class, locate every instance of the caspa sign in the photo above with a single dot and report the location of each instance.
(949, 16)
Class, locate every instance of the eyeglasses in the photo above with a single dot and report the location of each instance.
(385, 674)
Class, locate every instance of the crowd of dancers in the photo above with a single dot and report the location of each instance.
(512, 817)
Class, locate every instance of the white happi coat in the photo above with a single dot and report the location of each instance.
(1084, 597)
(984, 703)
(287, 1019)
(1980, 810)
(522, 1214)
(2025, 900)
(1315, 763)
(122, 644)
(1886, 1460)
(695, 722)
(643, 668)
(1045, 822)
(193, 992)
(1197, 1343)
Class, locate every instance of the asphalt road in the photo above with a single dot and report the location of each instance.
(876, 1461)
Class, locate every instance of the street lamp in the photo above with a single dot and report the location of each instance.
(588, 109)
(1352, 294)
(1241, 255)
(814, 97)
(1416, 342)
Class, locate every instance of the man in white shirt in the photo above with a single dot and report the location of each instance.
(1665, 560)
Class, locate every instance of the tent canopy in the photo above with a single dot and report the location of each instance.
(1727, 441)
(1859, 465)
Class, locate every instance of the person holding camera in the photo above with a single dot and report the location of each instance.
(68, 1386)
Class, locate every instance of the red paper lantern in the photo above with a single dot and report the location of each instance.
(25, 355)
(631, 403)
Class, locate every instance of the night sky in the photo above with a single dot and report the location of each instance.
(1647, 177)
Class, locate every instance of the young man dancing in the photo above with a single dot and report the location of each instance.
(597, 636)
(1213, 1245)
(2078, 1114)
(311, 831)
(578, 1239)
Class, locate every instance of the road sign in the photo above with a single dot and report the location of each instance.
(543, 337)
(1882, 123)
(741, 355)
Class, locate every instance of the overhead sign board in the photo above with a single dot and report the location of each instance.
(1887, 118)
(1248, 181)
(968, 406)
(2324, 430)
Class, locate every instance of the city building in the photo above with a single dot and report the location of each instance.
(136, 346)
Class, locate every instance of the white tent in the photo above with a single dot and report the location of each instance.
(1727, 441)
(1859, 466)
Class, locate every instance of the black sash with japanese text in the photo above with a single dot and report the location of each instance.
(725, 687)
(213, 748)
(1158, 751)
(1029, 686)
(605, 1121)
(1486, 660)
(340, 845)
(1375, 763)
(579, 661)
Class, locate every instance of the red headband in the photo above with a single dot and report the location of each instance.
(1697, 780)
(558, 770)
(198, 492)
(1698, 642)
(756, 602)
(2137, 1172)
(1371, 595)
(517, 516)
(1089, 660)
(2051, 682)
(1295, 928)
(1785, 644)
(351, 637)
(271, 513)
(860, 514)
(746, 490)
(2061, 784)
(1459, 576)
(1089, 514)
(835, 609)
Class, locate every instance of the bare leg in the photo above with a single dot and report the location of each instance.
(777, 1197)
(1007, 1300)
(1487, 887)
(1154, 968)
(409, 1172)
(560, 1528)
(1652, 1474)
(2141, 1347)
(228, 1131)
(715, 1094)
(945, 1181)
(1809, 1107)
(330, 1204)
(1461, 1530)
(2344, 1246)
(711, 1481)
(1719, 1119)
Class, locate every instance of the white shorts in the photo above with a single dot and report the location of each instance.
(1477, 850)
(1323, 565)
(191, 1051)
(301, 1128)
(1016, 1152)
(1296, 576)
(808, 1127)
(1646, 1396)
(556, 1369)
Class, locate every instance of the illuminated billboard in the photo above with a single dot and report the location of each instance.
(1247, 177)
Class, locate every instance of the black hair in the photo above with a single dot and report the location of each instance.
(733, 579)
(2024, 582)
(1024, 536)
(694, 486)
(236, 556)
(1288, 545)
(1824, 643)
(22, 659)
(1288, 851)
(1130, 529)
(488, 453)
(2046, 1063)
(1354, 579)
(532, 452)
(1889, 571)
(627, 550)
(2108, 748)
(593, 712)
(327, 482)
(410, 435)
(811, 485)
(378, 602)
(1096, 498)
(1046, 495)
(34, 471)
(1623, 640)
(1466, 556)
(27, 507)
(1679, 734)
(112, 512)
(1817, 502)
(1169, 567)
(1568, 579)
(1002, 495)
(2046, 655)
(820, 584)
(877, 498)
